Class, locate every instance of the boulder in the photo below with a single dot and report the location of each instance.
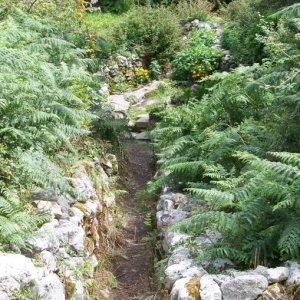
(277, 274)
(16, 271)
(294, 273)
(274, 292)
(142, 122)
(162, 199)
(209, 289)
(48, 261)
(49, 207)
(186, 289)
(50, 196)
(179, 255)
(104, 90)
(168, 205)
(71, 235)
(83, 184)
(174, 238)
(50, 288)
(218, 264)
(181, 270)
(46, 239)
(92, 207)
(246, 287)
(220, 278)
(119, 103)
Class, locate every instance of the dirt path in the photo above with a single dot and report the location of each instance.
(134, 271)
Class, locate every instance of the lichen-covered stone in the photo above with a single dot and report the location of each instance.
(246, 287)
(274, 292)
(186, 289)
(183, 269)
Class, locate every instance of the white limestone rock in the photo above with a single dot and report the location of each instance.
(70, 234)
(46, 238)
(174, 238)
(220, 278)
(50, 288)
(48, 261)
(183, 269)
(16, 271)
(49, 207)
(294, 273)
(83, 184)
(278, 274)
(246, 287)
(4, 296)
(185, 289)
(179, 255)
(209, 289)
(122, 61)
(119, 103)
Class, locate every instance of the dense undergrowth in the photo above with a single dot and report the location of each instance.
(234, 144)
(230, 138)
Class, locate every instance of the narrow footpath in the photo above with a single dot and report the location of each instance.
(134, 270)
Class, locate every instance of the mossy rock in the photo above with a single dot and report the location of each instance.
(193, 287)
(80, 206)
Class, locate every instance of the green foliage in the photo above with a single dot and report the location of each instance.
(44, 108)
(237, 148)
(199, 59)
(258, 214)
(188, 10)
(16, 225)
(152, 32)
(117, 6)
(239, 35)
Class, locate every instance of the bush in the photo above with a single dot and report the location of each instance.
(117, 6)
(237, 150)
(152, 32)
(193, 9)
(199, 59)
(239, 35)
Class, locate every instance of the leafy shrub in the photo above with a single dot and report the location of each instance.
(239, 35)
(199, 59)
(17, 225)
(257, 211)
(117, 6)
(153, 32)
(238, 149)
(193, 9)
(44, 100)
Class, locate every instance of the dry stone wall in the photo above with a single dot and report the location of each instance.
(187, 280)
(64, 254)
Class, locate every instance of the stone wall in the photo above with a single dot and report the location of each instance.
(64, 254)
(187, 280)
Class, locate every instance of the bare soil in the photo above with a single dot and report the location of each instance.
(134, 267)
